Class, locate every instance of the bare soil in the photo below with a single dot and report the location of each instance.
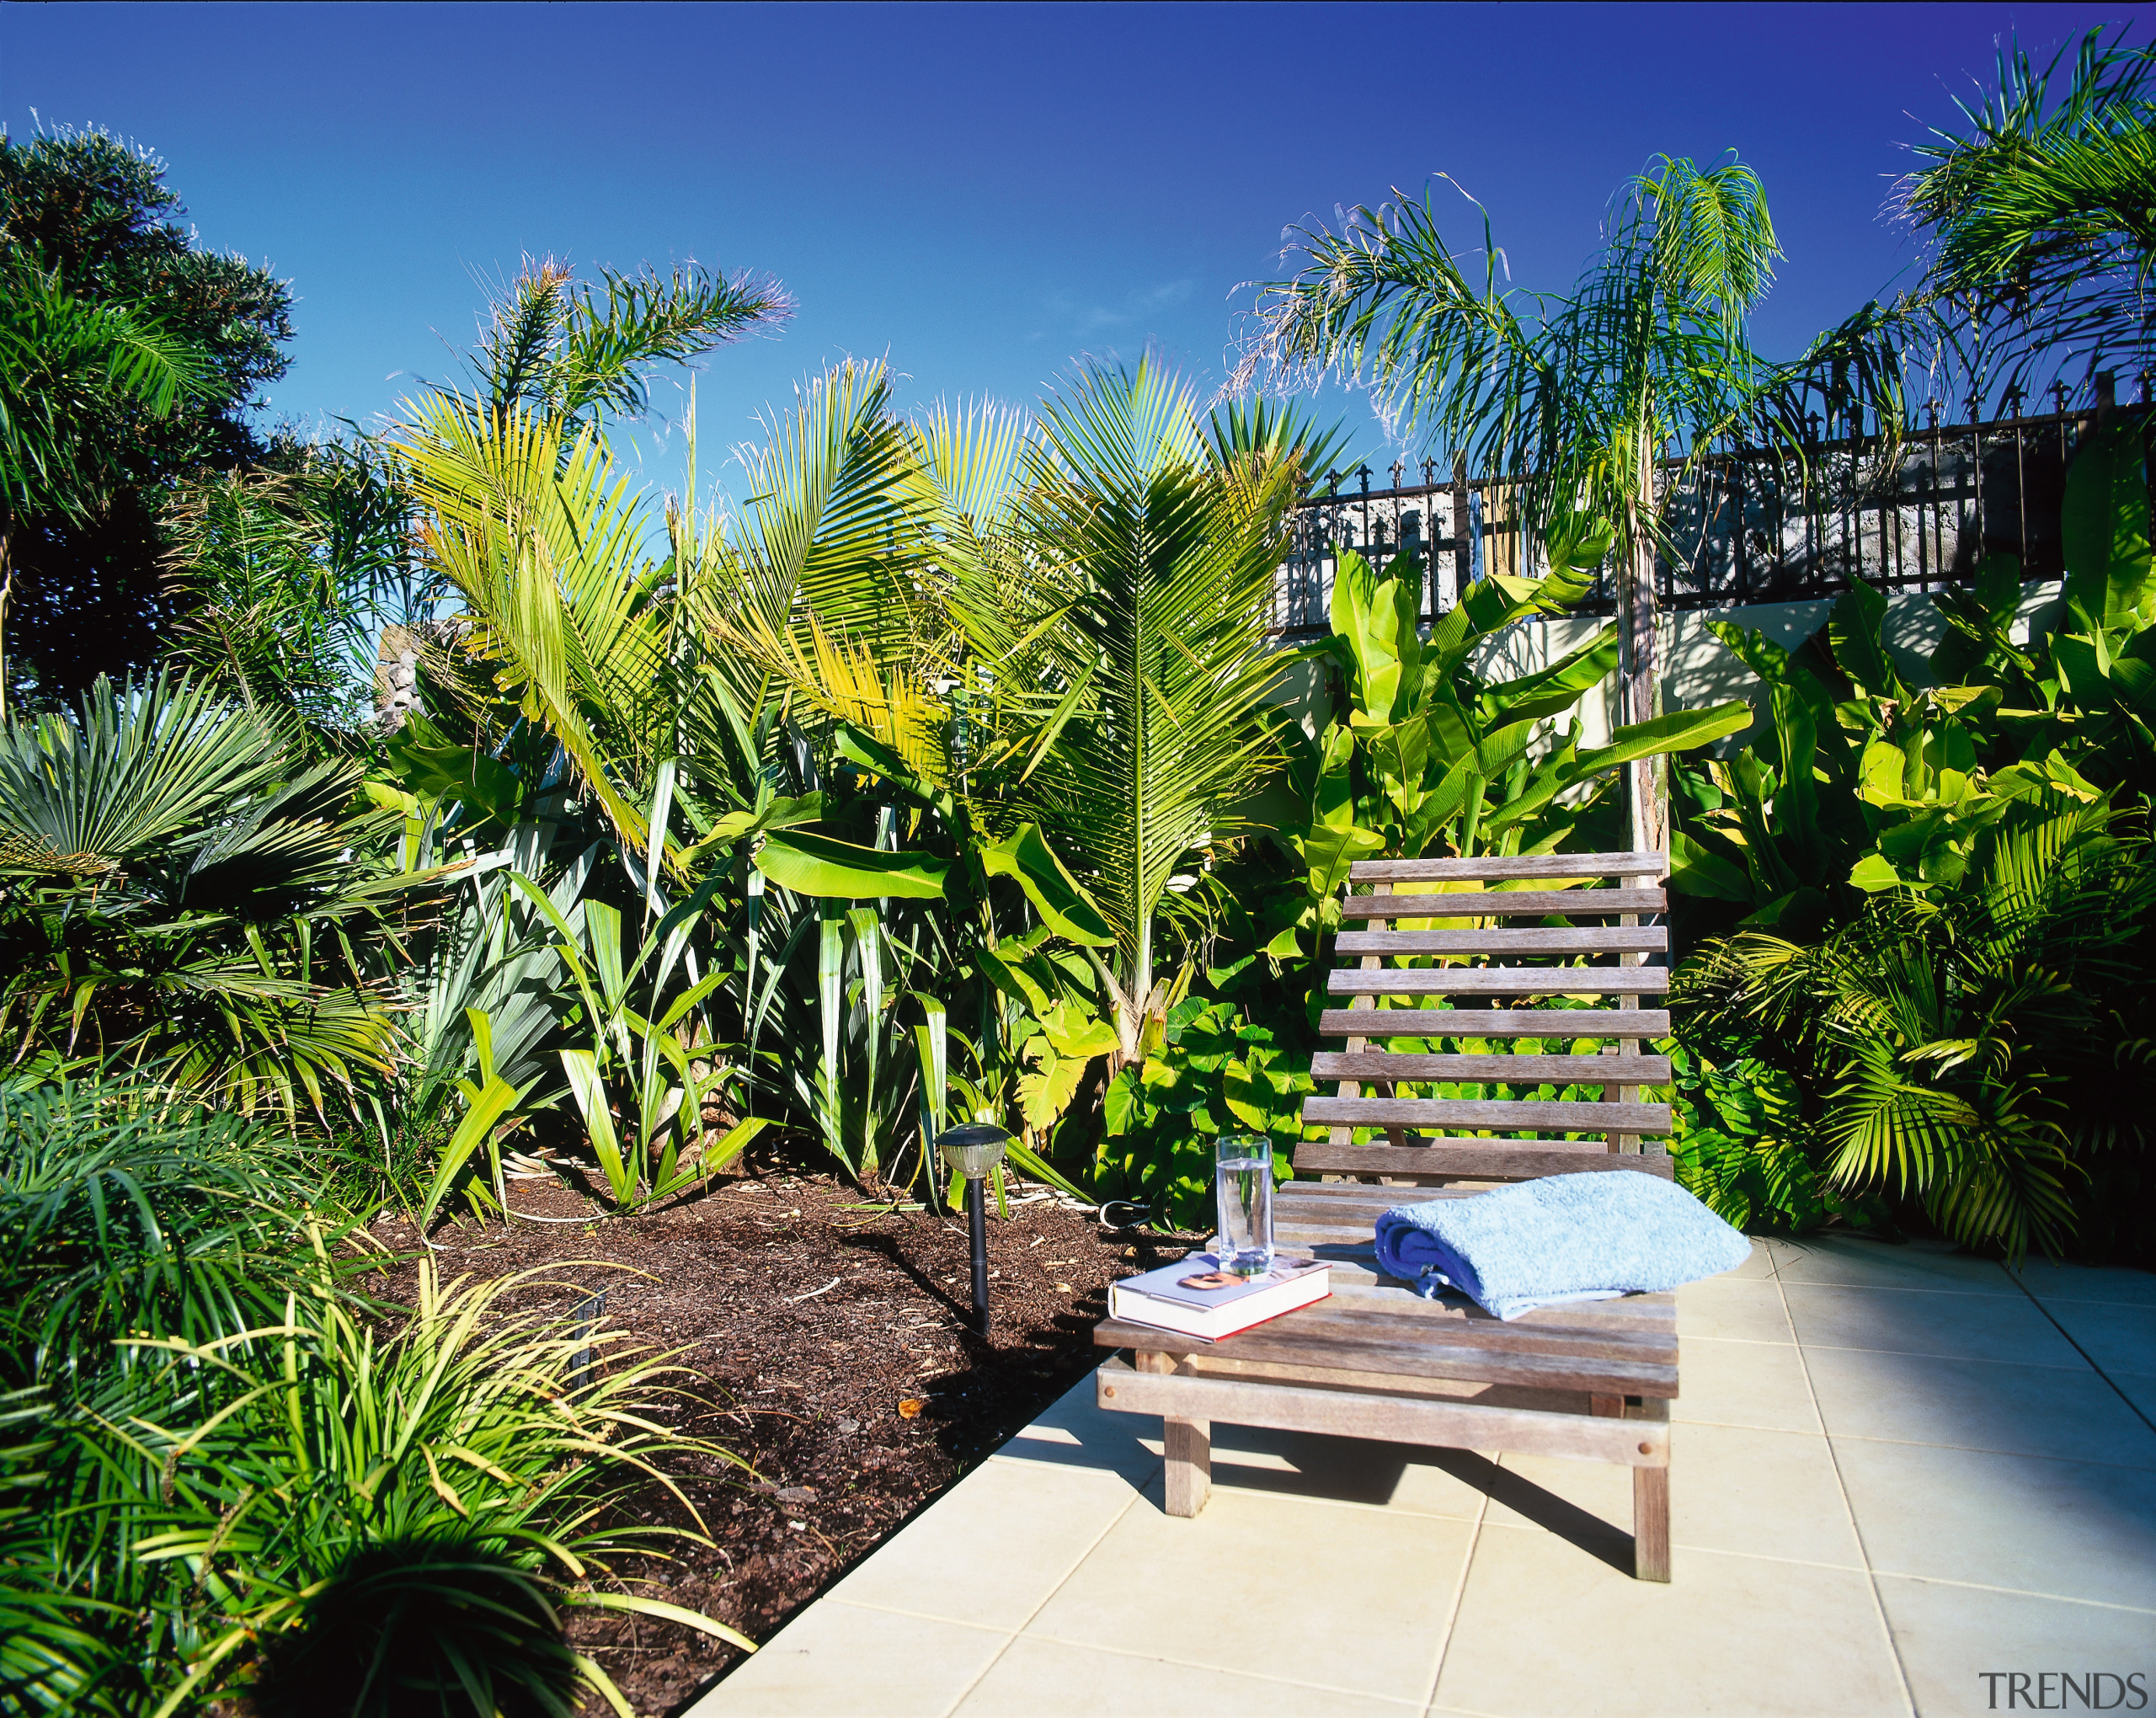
(832, 1335)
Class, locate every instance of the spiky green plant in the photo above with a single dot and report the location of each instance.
(397, 1520)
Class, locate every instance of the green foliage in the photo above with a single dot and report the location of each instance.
(219, 1472)
(1213, 1073)
(1579, 392)
(92, 216)
(2040, 209)
(285, 577)
(557, 346)
(121, 1212)
(1423, 754)
(68, 361)
(1743, 1145)
(177, 892)
(401, 1519)
(1972, 1048)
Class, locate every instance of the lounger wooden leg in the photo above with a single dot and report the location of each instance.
(1650, 1500)
(1650, 1524)
(1187, 1445)
(1189, 1448)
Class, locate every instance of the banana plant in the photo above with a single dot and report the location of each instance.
(1423, 755)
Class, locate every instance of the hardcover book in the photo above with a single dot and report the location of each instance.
(1197, 1298)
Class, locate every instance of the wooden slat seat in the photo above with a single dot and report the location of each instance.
(1498, 1023)
(1590, 1380)
(1502, 903)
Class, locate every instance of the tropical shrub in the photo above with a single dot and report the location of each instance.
(178, 894)
(1875, 842)
(1212, 1072)
(1979, 1051)
(219, 1469)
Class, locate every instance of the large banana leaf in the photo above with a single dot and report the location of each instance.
(1057, 896)
(827, 869)
(2104, 526)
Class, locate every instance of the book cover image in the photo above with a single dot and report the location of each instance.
(1199, 1282)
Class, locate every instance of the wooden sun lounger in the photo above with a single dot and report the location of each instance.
(1591, 1381)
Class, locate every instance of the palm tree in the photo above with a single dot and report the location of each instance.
(2043, 218)
(178, 893)
(1582, 395)
(1119, 622)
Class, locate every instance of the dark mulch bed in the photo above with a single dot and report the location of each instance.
(835, 1355)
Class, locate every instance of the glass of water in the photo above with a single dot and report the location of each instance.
(1242, 1178)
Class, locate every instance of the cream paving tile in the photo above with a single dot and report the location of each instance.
(1048, 1679)
(1340, 1597)
(995, 1546)
(2119, 1337)
(2069, 1529)
(1582, 1502)
(1759, 1266)
(1401, 1477)
(1948, 1636)
(1764, 1494)
(1076, 1431)
(1896, 1321)
(1742, 1384)
(1543, 1631)
(2048, 1411)
(2066, 1282)
(1733, 1310)
(1732, 1488)
(1875, 1264)
(840, 1661)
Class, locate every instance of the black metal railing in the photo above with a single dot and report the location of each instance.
(1747, 525)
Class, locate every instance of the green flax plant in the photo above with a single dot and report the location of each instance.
(398, 1522)
(222, 1472)
(122, 1210)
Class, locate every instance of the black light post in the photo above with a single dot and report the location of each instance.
(972, 1152)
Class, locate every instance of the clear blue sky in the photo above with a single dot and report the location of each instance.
(979, 192)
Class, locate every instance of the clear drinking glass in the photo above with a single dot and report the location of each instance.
(1242, 1180)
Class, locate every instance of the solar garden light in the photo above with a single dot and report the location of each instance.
(972, 1152)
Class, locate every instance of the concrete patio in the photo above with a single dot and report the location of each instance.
(1894, 1469)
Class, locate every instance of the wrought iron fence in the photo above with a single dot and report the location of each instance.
(1748, 525)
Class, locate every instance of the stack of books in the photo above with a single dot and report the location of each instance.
(1197, 1298)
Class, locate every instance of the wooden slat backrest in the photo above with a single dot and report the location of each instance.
(1459, 908)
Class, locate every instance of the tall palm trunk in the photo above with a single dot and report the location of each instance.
(1638, 690)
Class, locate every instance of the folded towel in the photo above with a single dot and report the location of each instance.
(1590, 1236)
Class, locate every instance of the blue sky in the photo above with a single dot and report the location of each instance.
(978, 193)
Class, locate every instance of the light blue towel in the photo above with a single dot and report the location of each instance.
(1590, 1236)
